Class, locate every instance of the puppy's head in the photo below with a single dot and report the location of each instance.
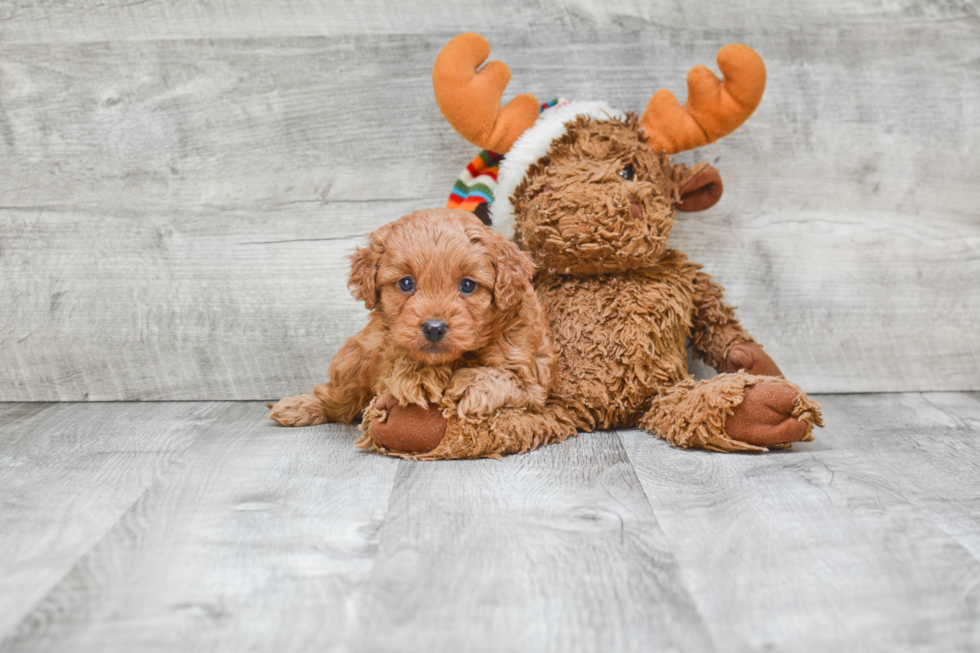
(443, 282)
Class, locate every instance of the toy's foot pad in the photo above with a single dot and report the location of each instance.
(766, 418)
(407, 429)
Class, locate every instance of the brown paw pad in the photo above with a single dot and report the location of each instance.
(765, 416)
(750, 357)
(408, 429)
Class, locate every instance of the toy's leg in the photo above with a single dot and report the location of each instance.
(413, 432)
(348, 393)
(733, 412)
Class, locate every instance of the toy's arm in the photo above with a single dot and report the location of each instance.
(719, 339)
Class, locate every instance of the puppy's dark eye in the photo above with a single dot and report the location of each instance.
(406, 284)
(467, 286)
(627, 173)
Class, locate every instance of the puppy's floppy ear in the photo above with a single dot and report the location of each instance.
(362, 280)
(514, 270)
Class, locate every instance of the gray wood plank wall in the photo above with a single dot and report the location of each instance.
(179, 182)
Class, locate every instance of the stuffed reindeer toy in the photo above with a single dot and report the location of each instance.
(591, 194)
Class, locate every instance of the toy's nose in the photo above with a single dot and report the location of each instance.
(434, 330)
(636, 207)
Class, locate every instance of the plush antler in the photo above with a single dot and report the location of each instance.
(470, 100)
(713, 109)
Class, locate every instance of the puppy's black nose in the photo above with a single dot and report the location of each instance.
(434, 330)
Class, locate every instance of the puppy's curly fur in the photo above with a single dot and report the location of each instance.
(495, 353)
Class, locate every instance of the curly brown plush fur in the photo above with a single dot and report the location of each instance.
(576, 214)
(595, 214)
(493, 362)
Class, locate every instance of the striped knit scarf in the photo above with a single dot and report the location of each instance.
(474, 189)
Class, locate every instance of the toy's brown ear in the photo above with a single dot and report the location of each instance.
(362, 280)
(700, 191)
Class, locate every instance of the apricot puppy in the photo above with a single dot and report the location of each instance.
(455, 329)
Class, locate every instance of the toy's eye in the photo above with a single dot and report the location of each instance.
(627, 173)
(467, 286)
(406, 284)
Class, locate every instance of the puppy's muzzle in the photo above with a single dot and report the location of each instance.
(434, 330)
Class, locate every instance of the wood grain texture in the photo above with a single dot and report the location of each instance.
(257, 538)
(556, 550)
(47, 21)
(191, 527)
(928, 446)
(144, 144)
(822, 547)
(12, 415)
(67, 474)
(168, 306)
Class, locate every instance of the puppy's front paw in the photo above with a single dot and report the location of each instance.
(301, 410)
(473, 406)
(476, 394)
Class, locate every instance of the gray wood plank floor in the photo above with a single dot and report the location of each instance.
(200, 526)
